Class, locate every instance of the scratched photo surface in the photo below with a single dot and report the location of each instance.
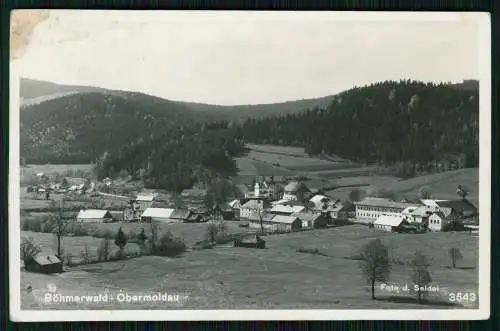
(194, 161)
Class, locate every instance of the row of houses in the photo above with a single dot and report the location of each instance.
(168, 215)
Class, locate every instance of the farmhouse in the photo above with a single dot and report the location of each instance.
(157, 215)
(94, 216)
(296, 191)
(46, 264)
(286, 210)
(369, 209)
(420, 215)
(389, 223)
(439, 220)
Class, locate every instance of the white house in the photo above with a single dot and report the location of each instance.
(320, 201)
(440, 219)
(311, 220)
(94, 216)
(157, 214)
(421, 214)
(388, 223)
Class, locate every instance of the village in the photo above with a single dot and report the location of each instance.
(267, 206)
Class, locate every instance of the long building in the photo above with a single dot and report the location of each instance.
(370, 209)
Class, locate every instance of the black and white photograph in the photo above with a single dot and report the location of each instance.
(215, 165)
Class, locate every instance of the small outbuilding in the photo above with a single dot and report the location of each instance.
(43, 263)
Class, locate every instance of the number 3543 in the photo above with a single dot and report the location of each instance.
(462, 297)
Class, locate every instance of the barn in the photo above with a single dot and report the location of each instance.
(94, 216)
(388, 223)
(157, 214)
(47, 264)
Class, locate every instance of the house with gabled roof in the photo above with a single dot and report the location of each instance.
(43, 263)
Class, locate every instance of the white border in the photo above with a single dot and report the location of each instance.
(482, 20)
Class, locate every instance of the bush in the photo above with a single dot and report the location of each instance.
(169, 245)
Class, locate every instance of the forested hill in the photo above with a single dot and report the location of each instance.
(79, 128)
(419, 123)
(176, 159)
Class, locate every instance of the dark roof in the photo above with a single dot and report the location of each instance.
(180, 214)
(461, 206)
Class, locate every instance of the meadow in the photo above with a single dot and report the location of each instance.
(275, 277)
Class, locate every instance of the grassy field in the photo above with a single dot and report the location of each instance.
(276, 277)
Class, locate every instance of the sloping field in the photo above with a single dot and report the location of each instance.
(276, 277)
(73, 245)
(441, 185)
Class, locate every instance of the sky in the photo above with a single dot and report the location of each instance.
(229, 58)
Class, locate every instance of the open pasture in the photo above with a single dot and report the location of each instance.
(275, 277)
